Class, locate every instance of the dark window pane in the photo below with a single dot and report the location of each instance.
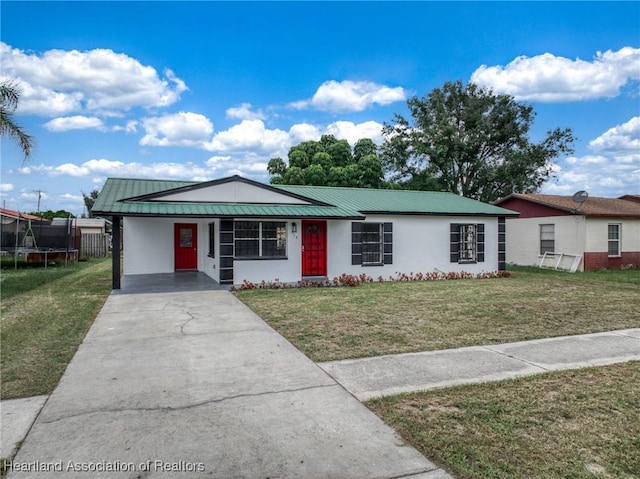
(547, 246)
(247, 248)
(185, 238)
(247, 229)
(614, 240)
(371, 239)
(270, 248)
(274, 239)
(212, 239)
(467, 247)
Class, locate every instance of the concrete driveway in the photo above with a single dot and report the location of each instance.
(194, 384)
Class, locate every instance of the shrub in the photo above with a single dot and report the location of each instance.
(351, 280)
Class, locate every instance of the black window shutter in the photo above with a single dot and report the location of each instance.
(480, 242)
(356, 243)
(502, 257)
(454, 243)
(226, 251)
(387, 243)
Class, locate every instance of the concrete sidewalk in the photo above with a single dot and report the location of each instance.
(17, 417)
(194, 384)
(385, 375)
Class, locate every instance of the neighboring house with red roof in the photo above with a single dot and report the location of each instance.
(10, 215)
(604, 232)
(635, 198)
(12, 223)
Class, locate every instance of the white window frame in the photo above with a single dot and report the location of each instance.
(549, 236)
(614, 241)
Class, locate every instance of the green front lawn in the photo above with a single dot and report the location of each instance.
(571, 424)
(45, 317)
(393, 317)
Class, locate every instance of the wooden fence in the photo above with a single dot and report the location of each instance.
(94, 245)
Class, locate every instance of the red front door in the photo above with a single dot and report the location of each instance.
(314, 248)
(186, 246)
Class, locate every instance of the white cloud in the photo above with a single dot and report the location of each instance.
(215, 161)
(243, 112)
(33, 195)
(77, 122)
(613, 172)
(59, 82)
(69, 196)
(549, 78)
(179, 129)
(352, 132)
(130, 127)
(6, 187)
(250, 139)
(249, 136)
(350, 96)
(624, 139)
(304, 132)
(105, 168)
(587, 160)
(99, 169)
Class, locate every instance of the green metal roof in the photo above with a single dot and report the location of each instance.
(408, 202)
(128, 197)
(120, 196)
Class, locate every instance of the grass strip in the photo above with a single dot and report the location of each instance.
(571, 424)
(390, 318)
(29, 276)
(43, 325)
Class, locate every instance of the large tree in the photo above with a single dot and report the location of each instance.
(470, 141)
(330, 162)
(50, 214)
(89, 201)
(9, 98)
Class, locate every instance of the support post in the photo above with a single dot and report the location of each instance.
(115, 252)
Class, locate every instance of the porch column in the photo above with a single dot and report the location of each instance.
(115, 252)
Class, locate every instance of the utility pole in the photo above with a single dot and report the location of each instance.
(39, 197)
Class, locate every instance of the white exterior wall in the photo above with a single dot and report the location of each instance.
(147, 245)
(598, 234)
(284, 270)
(420, 244)
(233, 192)
(573, 235)
(523, 237)
(207, 264)
(631, 235)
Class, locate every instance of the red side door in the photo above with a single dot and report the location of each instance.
(314, 248)
(186, 246)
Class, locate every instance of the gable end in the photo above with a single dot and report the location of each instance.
(226, 193)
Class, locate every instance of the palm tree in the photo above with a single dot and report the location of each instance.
(9, 97)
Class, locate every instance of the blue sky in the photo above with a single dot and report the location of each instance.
(203, 90)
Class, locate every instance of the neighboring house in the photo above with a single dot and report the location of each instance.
(12, 224)
(635, 198)
(234, 229)
(90, 235)
(605, 232)
(85, 225)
